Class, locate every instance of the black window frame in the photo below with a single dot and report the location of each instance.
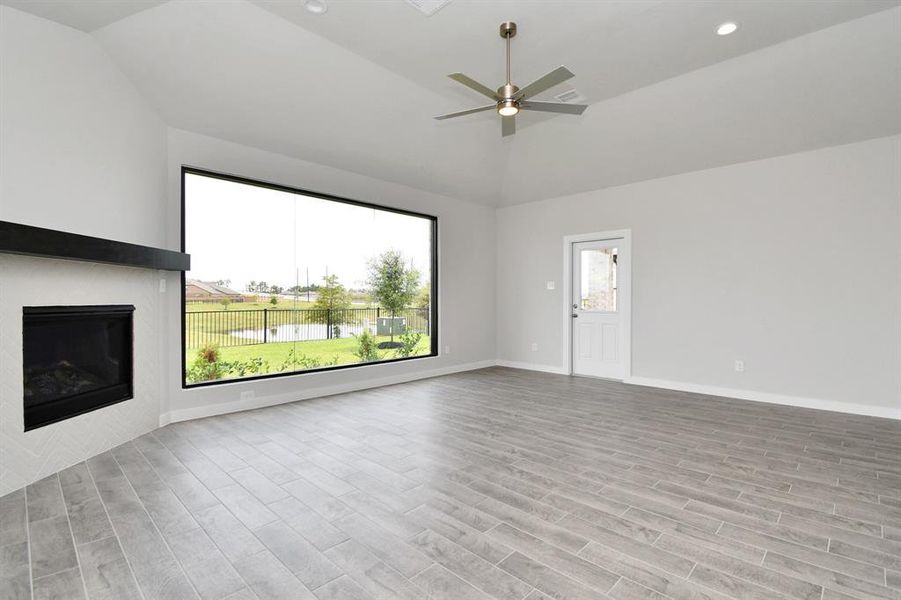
(433, 309)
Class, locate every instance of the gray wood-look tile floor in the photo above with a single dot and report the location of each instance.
(489, 484)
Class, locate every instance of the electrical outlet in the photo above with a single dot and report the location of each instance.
(551, 285)
(447, 349)
(248, 395)
(739, 366)
(162, 286)
(534, 347)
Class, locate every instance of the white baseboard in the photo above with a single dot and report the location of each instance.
(532, 367)
(885, 412)
(211, 410)
(767, 397)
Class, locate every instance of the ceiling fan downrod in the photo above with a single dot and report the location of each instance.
(506, 103)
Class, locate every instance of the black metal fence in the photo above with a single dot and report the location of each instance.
(268, 325)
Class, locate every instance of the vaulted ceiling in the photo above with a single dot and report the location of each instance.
(357, 87)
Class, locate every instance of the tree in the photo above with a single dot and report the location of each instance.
(392, 284)
(224, 282)
(332, 300)
(332, 295)
(225, 302)
(424, 297)
(252, 286)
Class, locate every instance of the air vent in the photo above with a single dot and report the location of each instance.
(572, 97)
(428, 7)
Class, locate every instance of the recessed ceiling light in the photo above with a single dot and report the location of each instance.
(727, 28)
(317, 7)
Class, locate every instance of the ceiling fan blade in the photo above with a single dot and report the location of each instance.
(466, 112)
(558, 75)
(554, 107)
(474, 85)
(508, 125)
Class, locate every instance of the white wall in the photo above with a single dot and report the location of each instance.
(792, 264)
(466, 271)
(79, 151)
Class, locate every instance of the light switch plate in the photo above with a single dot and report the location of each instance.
(551, 285)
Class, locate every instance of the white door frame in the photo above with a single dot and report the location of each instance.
(624, 293)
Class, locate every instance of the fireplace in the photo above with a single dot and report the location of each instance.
(75, 359)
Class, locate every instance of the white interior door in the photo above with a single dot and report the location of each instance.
(597, 323)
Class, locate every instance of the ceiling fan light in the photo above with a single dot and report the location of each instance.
(507, 108)
(727, 28)
(317, 7)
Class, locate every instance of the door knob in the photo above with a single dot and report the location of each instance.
(575, 316)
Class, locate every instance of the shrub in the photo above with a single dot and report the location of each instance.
(209, 353)
(251, 366)
(293, 360)
(273, 300)
(289, 363)
(205, 366)
(208, 365)
(366, 347)
(409, 339)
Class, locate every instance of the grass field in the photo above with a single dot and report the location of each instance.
(325, 350)
(214, 306)
(275, 356)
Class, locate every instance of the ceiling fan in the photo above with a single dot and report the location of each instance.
(509, 99)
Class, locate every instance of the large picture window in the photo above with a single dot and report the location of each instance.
(285, 281)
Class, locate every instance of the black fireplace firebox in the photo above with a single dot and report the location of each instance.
(76, 359)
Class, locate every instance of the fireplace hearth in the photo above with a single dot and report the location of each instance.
(75, 359)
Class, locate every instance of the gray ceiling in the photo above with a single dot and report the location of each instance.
(356, 88)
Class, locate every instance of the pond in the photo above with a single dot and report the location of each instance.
(304, 332)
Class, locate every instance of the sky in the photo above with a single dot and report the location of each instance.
(248, 233)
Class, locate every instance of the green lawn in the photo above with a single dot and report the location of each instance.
(323, 352)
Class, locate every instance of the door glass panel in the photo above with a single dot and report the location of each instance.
(598, 288)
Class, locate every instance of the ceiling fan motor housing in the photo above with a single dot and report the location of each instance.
(506, 91)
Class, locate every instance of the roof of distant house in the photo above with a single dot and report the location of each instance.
(211, 288)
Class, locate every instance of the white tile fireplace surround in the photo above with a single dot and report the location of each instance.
(27, 281)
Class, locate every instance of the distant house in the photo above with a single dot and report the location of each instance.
(207, 291)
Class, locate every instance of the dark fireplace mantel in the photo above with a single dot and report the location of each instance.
(28, 240)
